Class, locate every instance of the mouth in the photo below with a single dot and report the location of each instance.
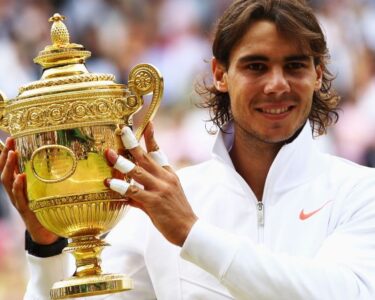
(274, 112)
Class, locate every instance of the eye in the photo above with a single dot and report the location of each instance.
(295, 65)
(258, 67)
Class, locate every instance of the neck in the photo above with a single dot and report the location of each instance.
(252, 159)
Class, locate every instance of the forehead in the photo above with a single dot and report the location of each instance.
(264, 39)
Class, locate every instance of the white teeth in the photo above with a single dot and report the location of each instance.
(275, 111)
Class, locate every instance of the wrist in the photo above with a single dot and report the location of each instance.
(42, 250)
(186, 231)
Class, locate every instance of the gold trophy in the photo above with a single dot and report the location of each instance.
(62, 125)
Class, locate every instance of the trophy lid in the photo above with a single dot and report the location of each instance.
(63, 66)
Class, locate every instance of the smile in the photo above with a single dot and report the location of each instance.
(275, 111)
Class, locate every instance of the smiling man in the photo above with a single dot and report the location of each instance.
(269, 216)
(270, 80)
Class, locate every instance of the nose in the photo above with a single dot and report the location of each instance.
(276, 83)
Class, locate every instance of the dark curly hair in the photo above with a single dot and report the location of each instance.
(295, 19)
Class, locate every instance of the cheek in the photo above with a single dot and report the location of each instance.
(308, 83)
(305, 90)
(240, 101)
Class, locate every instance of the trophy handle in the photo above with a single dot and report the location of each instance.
(143, 80)
(3, 124)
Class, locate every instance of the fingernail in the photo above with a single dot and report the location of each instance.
(107, 182)
(111, 156)
(9, 143)
(119, 186)
(128, 138)
(124, 165)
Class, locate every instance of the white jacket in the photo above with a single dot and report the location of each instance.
(312, 238)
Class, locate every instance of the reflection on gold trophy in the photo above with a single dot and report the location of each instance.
(62, 124)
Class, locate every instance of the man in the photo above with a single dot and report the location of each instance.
(269, 216)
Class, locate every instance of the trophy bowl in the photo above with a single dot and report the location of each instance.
(62, 125)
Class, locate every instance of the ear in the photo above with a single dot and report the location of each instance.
(219, 75)
(319, 77)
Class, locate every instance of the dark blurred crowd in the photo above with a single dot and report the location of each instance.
(175, 36)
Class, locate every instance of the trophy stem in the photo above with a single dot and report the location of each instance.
(86, 251)
(88, 279)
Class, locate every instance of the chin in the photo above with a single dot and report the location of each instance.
(276, 136)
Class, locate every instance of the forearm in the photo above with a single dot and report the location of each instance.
(251, 271)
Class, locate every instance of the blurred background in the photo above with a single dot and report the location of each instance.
(175, 36)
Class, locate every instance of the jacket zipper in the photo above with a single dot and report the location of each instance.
(260, 219)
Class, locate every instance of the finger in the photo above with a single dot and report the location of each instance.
(131, 191)
(160, 158)
(130, 143)
(122, 164)
(7, 176)
(117, 174)
(121, 167)
(135, 204)
(127, 167)
(111, 160)
(153, 149)
(150, 141)
(111, 157)
(9, 145)
(117, 185)
(128, 138)
(17, 166)
(19, 192)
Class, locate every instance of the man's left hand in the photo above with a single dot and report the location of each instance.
(162, 197)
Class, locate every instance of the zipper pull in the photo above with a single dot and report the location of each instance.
(260, 213)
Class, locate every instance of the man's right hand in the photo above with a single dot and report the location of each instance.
(15, 185)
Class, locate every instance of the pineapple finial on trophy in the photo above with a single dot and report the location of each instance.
(59, 32)
(61, 52)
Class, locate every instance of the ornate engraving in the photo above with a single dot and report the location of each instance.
(131, 101)
(62, 113)
(67, 80)
(143, 80)
(84, 242)
(74, 199)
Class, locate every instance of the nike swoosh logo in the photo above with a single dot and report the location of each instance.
(303, 216)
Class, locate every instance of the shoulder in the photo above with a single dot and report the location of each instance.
(354, 185)
(346, 170)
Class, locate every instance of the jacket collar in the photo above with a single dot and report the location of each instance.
(295, 163)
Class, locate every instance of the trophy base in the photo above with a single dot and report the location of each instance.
(75, 287)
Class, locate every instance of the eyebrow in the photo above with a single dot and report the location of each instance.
(252, 58)
(298, 58)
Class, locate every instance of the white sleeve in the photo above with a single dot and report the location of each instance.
(44, 272)
(343, 268)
